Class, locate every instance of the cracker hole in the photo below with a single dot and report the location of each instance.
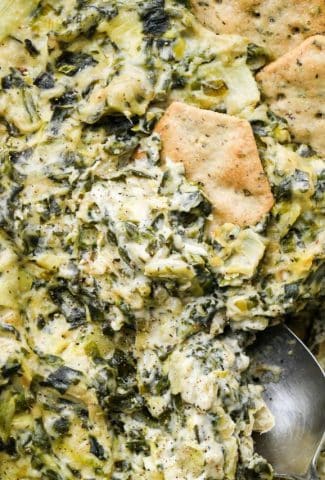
(295, 30)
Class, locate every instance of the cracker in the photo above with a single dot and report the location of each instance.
(276, 25)
(219, 152)
(294, 88)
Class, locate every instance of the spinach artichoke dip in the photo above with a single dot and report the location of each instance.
(162, 199)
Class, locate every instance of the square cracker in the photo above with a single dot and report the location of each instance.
(276, 25)
(294, 88)
(219, 152)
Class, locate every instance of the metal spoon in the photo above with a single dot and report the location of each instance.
(297, 400)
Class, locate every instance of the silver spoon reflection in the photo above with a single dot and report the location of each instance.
(296, 397)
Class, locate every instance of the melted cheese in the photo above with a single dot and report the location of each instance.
(115, 360)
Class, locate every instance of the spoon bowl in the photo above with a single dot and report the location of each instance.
(295, 394)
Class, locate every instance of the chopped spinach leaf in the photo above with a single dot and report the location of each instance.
(154, 17)
(13, 80)
(61, 425)
(96, 448)
(41, 439)
(62, 378)
(301, 181)
(71, 308)
(320, 186)
(291, 291)
(44, 81)
(257, 57)
(283, 190)
(138, 444)
(11, 367)
(67, 100)
(6, 328)
(70, 63)
(31, 49)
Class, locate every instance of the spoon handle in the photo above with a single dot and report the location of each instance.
(312, 474)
